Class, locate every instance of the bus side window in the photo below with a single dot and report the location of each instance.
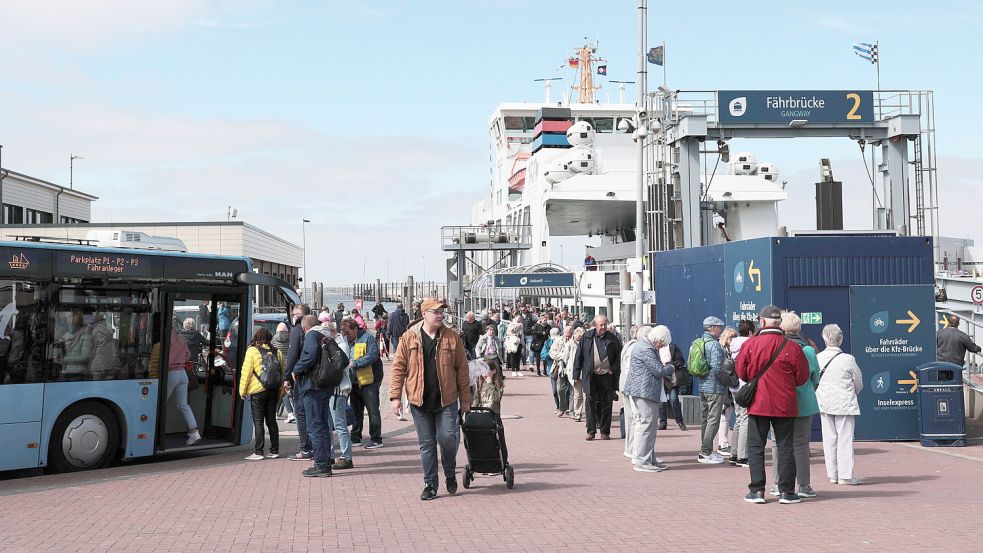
(22, 337)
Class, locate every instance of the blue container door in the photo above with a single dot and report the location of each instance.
(833, 304)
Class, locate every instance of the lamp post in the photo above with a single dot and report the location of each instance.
(641, 133)
(303, 232)
(3, 174)
(71, 170)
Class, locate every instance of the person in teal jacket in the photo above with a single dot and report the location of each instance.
(805, 395)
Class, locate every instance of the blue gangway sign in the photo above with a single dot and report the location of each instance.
(739, 107)
(534, 280)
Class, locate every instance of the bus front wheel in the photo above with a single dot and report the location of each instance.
(86, 436)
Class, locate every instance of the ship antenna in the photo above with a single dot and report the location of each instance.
(548, 86)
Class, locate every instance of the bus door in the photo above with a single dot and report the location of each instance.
(202, 347)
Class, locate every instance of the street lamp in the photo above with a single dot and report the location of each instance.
(3, 174)
(71, 170)
(303, 232)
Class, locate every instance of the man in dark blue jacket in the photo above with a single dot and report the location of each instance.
(598, 364)
(315, 399)
(296, 343)
(365, 353)
(399, 321)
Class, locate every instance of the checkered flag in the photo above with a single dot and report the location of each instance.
(866, 51)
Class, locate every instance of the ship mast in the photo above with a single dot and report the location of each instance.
(584, 63)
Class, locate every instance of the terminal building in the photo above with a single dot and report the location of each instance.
(32, 206)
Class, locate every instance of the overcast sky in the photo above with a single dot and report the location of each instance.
(370, 119)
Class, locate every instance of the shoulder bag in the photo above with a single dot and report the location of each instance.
(745, 396)
(822, 372)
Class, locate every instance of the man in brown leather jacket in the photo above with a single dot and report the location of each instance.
(432, 364)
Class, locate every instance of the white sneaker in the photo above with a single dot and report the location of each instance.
(851, 482)
(255, 457)
(194, 438)
(272, 455)
(649, 468)
(713, 459)
(291, 418)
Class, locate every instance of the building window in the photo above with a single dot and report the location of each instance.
(13, 215)
(71, 221)
(38, 217)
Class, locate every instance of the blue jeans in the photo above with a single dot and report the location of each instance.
(677, 409)
(301, 415)
(527, 341)
(367, 397)
(339, 420)
(432, 428)
(318, 424)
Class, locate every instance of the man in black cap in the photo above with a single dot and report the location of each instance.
(780, 366)
(431, 364)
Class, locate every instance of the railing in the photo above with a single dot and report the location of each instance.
(887, 103)
(456, 236)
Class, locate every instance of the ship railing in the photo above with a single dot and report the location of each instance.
(485, 234)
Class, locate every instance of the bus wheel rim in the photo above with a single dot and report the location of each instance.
(85, 441)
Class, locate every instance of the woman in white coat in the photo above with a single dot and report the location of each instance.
(840, 380)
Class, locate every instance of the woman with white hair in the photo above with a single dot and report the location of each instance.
(840, 380)
(636, 334)
(646, 391)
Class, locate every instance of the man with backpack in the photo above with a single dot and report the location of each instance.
(315, 399)
(706, 358)
(296, 344)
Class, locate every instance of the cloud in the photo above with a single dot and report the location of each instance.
(843, 24)
(98, 25)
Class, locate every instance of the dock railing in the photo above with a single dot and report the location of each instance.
(479, 237)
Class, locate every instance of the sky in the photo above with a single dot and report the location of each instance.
(370, 119)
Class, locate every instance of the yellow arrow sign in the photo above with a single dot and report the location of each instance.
(913, 381)
(752, 272)
(913, 321)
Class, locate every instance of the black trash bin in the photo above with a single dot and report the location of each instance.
(941, 412)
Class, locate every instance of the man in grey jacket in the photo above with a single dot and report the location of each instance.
(711, 391)
(952, 343)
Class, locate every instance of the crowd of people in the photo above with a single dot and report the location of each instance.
(758, 383)
(589, 365)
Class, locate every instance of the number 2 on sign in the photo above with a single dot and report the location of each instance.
(856, 105)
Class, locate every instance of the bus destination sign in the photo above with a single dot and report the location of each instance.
(102, 264)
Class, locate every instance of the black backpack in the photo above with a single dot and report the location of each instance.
(331, 365)
(271, 373)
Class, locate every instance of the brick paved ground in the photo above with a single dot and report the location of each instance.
(570, 495)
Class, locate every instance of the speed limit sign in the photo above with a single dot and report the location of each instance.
(977, 294)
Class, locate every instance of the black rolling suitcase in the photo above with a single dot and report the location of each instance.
(484, 441)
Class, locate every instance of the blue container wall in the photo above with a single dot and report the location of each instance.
(813, 274)
(804, 274)
(689, 286)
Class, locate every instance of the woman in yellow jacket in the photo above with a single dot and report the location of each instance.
(263, 401)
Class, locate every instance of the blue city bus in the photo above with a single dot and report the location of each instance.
(85, 344)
